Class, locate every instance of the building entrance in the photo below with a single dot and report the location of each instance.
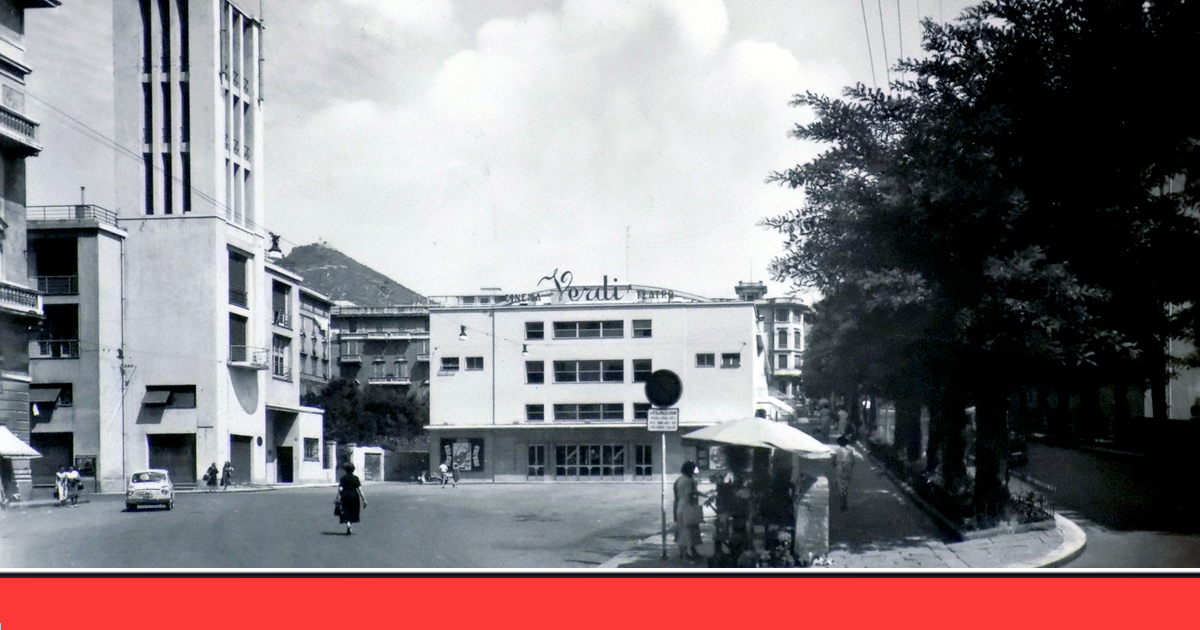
(57, 449)
(240, 450)
(175, 453)
(597, 462)
(283, 464)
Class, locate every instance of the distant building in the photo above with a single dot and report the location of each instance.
(316, 345)
(20, 302)
(550, 385)
(784, 325)
(383, 345)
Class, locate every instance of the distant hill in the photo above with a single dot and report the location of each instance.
(341, 278)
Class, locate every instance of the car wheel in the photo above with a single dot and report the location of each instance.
(129, 507)
(170, 504)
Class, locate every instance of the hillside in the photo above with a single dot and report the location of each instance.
(341, 278)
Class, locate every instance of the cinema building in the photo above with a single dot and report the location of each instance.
(549, 386)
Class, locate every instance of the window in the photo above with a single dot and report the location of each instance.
(172, 396)
(643, 460)
(731, 360)
(43, 393)
(641, 370)
(535, 330)
(611, 329)
(641, 411)
(378, 369)
(237, 280)
(535, 413)
(798, 341)
(782, 315)
(705, 360)
(312, 449)
(449, 364)
(641, 328)
(781, 362)
(474, 363)
(589, 371)
(589, 412)
(535, 372)
(606, 461)
(781, 339)
(537, 461)
(281, 358)
(352, 347)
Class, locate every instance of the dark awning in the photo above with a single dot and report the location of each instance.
(156, 397)
(44, 395)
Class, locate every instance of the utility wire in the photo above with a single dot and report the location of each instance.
(867, 31)
(883, 37)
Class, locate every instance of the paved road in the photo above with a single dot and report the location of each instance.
(1133, 516)
(406, 526)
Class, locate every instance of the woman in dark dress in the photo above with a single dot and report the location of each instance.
(350, 498)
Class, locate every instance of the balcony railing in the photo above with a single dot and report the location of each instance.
(58, 285)
(249, 357)
(389, 379)
(350, 358)
(423, 356)
(54, 349)
(17, 298)
(283, 319)
(80, 212)
(19, 130)
(238, 297)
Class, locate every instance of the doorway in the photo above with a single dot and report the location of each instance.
(283, 465)
(175, 453)
(239, 455)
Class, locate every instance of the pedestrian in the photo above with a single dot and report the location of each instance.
(227, 476)
(823, 419)
(74, 485)
(687, 513)
(843, 417)
(60, 485)
(349, 499)
(843, 468)
(210, 477)
(447, 471)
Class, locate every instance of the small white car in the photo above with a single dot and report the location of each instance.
(149, 487)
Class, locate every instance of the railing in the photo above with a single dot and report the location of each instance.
(19, 125)
(238, 297)
(58, 285)
(19, 297)
(423, 356)
(54, 349)
(349, 311)
(283, 374)
(249, 357)
(283, 319)
(389, 379)
(71, 213)
(350, 358)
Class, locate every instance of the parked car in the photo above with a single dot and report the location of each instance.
(150, 487)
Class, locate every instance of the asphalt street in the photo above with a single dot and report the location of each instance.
(485, 526)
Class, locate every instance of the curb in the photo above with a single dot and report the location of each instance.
(1072, 546)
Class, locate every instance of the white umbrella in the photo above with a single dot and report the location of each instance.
(11, 446)
(763, 433)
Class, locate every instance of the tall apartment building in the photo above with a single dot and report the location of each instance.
(20, 303)
(550, 386)
(383, 345)
(201, 367)
(784, 324)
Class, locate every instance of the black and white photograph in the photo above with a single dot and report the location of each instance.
(607, 287)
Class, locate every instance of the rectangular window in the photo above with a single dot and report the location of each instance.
(474, 363)
(537, 461)
(185, 194)
(449, 364)
(352, 347)
(166, 112)
(705, 360)
(798, 341)
(589, 371)
(731, 360)
(535, 372)
(281, 363)
(64, 398)
(603, 461)
(611, 329)
(781, 362)
(535, 413)
(643, 461)
(782, 315)
(641, 411)
(535, 330)
(177, 396)
(589, 412)
(781, 339)
(237, 280)
(641, 370)
(148, 172)
(613, 371)
(641, 328)
(312, 449)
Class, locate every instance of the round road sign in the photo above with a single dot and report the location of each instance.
(663, 388)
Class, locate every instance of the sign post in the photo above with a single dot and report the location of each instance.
(663, 389)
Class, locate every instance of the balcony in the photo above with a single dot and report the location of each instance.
(18, 133)
(389, 379)
(424, 356)
(281, 374)
(54, 349)
(283, 319)
(350, 358)
(34, 215)
(249, 357)
(238, 297)
(58, 285)
(20, 300)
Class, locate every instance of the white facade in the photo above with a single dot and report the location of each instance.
(585, 419)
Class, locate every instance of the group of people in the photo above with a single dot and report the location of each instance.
(224, 477)
(67, 484)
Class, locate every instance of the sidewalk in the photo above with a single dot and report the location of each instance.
(86, 496)
(884, 528)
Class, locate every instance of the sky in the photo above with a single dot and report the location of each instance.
(455, 145)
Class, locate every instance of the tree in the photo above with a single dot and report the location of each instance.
(381, 416)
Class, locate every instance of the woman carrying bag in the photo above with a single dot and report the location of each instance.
(687, 513)
(349, 499)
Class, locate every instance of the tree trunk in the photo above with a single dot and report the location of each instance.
(908, 427)
(991, 432)
(1158, 382)
(954, 420)
(937, 430)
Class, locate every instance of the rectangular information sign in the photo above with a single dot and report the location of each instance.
(663, 420)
